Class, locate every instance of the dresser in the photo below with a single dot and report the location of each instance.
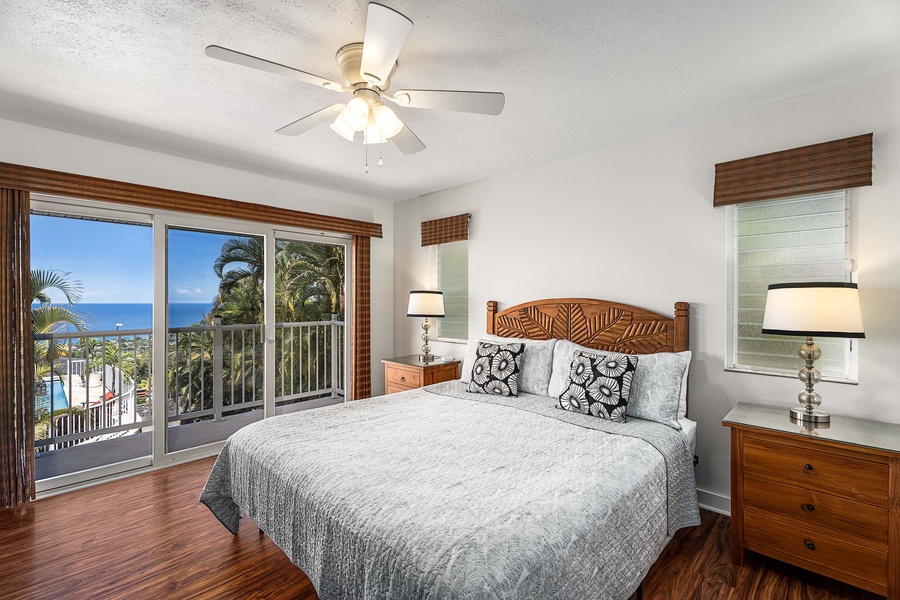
(407, 373)
(825, 499)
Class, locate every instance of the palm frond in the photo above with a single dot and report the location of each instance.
(50, 319)
(46, 279)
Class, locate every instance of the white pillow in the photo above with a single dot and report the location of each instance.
(655, 395)
(537, 363)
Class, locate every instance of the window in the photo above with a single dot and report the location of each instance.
(805, 238)
(451, 268)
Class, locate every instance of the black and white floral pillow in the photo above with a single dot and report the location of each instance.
(599, 385)
(496, 369)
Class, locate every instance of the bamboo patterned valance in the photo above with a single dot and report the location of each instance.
(835, 165)
(20, 177)
(443, 231)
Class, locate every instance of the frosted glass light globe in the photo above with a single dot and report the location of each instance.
(356, 114)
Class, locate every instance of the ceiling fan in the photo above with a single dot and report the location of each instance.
(366, 71)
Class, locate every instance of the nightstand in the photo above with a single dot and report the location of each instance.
(824, 499)
(407, 373)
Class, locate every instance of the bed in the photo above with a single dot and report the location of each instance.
(442, 493)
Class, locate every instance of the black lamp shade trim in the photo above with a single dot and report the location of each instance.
(837, 334)
(814, 284)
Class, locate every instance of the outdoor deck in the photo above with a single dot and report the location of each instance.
(97, 454)
(214, 386)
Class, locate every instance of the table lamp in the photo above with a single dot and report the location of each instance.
(425, 303)
(812, 310)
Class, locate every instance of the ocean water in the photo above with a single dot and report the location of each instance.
(105, 317)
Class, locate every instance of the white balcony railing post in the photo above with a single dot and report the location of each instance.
(334, 356)
(218, 369)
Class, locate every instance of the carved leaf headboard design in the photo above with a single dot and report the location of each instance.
(593, 323)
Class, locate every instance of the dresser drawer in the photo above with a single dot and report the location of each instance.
(404, 378)
(855, 521)
(859, 565)
(824, 471)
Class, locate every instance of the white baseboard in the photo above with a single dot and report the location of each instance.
(714, 502)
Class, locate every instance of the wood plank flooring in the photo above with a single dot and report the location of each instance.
(149, 537)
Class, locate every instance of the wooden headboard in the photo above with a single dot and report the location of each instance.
(593, 323)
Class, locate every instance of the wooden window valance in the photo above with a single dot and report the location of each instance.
(835, 165)
(19, 177)
(443, 231)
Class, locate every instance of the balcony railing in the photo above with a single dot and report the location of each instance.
(100, 388)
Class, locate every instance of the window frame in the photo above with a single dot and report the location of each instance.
(852, 348)
(161, 220)
(435, 272)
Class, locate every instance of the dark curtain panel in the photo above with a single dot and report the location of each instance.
(16, 352)
(361, 333)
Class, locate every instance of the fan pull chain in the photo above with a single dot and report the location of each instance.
(380, 159)
(366, 139)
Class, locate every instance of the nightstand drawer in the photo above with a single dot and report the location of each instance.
(810, 468)
(403, 378)
(856, 521)
(825, 554)
(393, 389)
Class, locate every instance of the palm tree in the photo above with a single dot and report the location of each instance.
(316, 274)
(46, 318)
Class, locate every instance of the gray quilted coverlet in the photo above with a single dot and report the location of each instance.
(440, 494)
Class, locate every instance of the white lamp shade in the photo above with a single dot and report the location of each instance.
(813, 309)
(388, 123)
(356, 114)
(340, 128)
(373, 135)
(425, 303)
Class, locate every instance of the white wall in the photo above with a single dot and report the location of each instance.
(635, 223)
(49, 149)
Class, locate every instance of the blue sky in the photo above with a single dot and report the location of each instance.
(114, 262)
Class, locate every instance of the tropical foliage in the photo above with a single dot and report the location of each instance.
(309, 287)
(48, 318)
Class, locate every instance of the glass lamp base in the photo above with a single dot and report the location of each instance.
(800, 415)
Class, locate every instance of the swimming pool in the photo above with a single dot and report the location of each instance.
(42, 403)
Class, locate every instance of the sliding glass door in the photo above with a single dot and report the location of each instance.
(92, 283)
(310, 300)
(214, 345)
(159, 335)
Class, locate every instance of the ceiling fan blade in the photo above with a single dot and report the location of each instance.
(386, 32)
(407, 141)
(485, 103)
(320, 117)
(261, 64)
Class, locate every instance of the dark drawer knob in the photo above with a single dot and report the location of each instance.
(402, 378)
(808, 469)
(808, 507)
(810, 544)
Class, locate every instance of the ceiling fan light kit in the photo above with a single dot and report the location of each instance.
(366, 70)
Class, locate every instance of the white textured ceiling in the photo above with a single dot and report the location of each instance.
(577, 74)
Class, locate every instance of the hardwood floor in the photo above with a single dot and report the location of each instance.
(149, 537)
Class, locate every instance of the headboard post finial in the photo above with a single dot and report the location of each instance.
(491, 317)
(682, 311)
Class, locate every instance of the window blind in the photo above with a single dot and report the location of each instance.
(792, 240)
(444, 231)
(836, 165)
(453, 279)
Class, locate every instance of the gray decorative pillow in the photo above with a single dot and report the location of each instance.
(659, 386)
(599, 385)
(496, 369)
(537, 363)
(656, 391)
